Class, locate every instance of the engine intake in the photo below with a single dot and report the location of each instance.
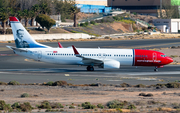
(111, 64)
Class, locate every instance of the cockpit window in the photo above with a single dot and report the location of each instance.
(163, 55)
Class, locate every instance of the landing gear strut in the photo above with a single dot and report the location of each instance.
(90, 68)
(156, 69)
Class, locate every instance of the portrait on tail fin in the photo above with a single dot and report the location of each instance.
(20, 43)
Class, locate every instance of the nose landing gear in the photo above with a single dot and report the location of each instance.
(156, 69)
(90, 68)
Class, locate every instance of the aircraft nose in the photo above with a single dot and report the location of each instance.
(169, 60)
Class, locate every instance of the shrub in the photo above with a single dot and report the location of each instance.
(16, 105)
(160, 85)
(26, 107)
(173, 85)
(142, 94)
(50, 83)
(24, 95)
(115, 18)
(56, 105)
(3, 83)
(107, 37)
(71, 107)
(149, 95)
(83, 25)
(100, 106)
(88, 105)
(93, 84)
(102, 20)
(48, 110)
(7, 107)
(93, 22)
(140, 86)
(13, 83)
(45, 105)
(59, 83)
(86, 23)
(134, 13)
(131, 106)
(115, 104)
(61, 110)
(2, 103)
(125, 85)
(4, 106)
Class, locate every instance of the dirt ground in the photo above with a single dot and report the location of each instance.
(95, 94)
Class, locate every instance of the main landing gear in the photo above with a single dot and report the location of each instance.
(156, 69)
(90, 68)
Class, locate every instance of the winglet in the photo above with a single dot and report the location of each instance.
(75, 51)
(60, 46)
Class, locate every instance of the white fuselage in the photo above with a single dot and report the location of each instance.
(66, 55)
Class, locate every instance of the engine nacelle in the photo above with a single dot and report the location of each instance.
(111, 64)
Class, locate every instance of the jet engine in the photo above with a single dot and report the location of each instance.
(111, 64)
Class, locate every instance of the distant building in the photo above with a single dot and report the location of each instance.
(92, 2)
(167, 25)
(85, 8)
(140, 6)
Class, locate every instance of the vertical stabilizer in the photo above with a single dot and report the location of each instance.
(21, 36)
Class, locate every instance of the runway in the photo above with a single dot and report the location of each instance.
(14, 67)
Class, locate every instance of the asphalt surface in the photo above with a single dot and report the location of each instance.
(134, 44)
(14, 67)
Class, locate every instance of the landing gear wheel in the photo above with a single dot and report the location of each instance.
(90, 68)
(155, 70)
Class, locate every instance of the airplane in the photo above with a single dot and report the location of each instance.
(103, 58)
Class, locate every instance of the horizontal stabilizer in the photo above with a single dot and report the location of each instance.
(16, 49)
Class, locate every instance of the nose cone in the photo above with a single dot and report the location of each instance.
(170, 60)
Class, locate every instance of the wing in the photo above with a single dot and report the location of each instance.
(87, 61)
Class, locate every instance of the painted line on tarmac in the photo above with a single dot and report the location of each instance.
(156, 73)
(5, 72)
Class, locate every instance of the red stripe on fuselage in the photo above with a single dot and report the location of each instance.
(14, 19)
(150, 58)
